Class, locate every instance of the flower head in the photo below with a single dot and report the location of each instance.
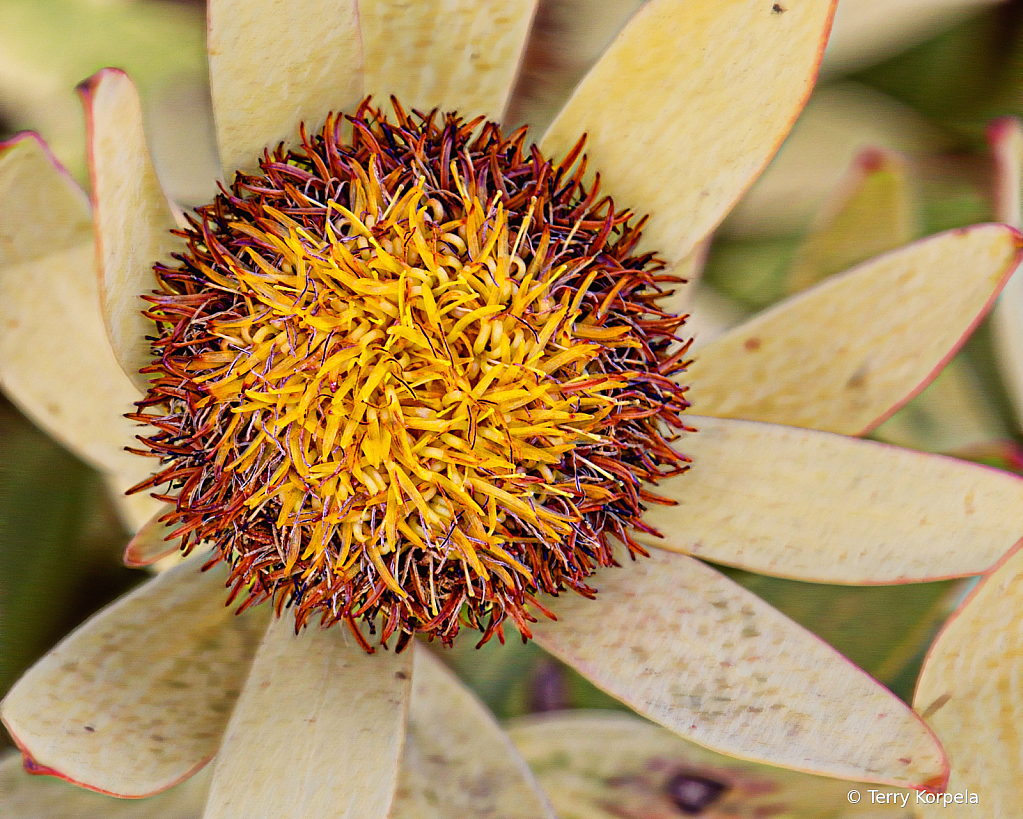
(680, 113)
(420, 377)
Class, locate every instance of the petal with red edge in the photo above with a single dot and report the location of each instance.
(815, 506)
(969, 693)
(844, 355)
(133, 217)
(667, 108)
(136, 699)
(55, 360)
(1006, 138)
(689, 649)
(26, 796)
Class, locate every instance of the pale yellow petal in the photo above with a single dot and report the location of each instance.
(133, 217)
(568, 37)
(276, 63)
(1006, 138)
(846, 354)
(457, 760)
(137, 699)
(151, 541)
(55, 360)
(815, 506)
(691, 650)
(607, 765)
(868, 31)
(317, 732)
(453, 54)
(44, 211)
(26, 796)
(667, 108)
(970, 692)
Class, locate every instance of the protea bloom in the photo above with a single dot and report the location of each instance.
(394, 270)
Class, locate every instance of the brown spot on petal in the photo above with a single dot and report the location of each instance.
(935, 706)
(693, 794)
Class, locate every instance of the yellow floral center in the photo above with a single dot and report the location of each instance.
(413, 379)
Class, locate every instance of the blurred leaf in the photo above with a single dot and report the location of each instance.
(599, 765)
(1006, 455)
(955, 191)
(60, 544)
(868, 31)
(49, 46)
(841, 122)
(751, 271)
(963, 77)
(953, 412)
(875, 210)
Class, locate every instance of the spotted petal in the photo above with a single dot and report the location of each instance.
(55, 360)
(691, 650)
(133, 217)
(276, 63)
(317, 732)
(969, 693)
(457, 761)
(454, 54)
(669, 127)
(137, 699)
(846, 354)
(814, 506)
(24, 796)
(1006, 137)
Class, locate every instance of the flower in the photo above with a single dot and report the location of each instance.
(416, 379)
(167, 676)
